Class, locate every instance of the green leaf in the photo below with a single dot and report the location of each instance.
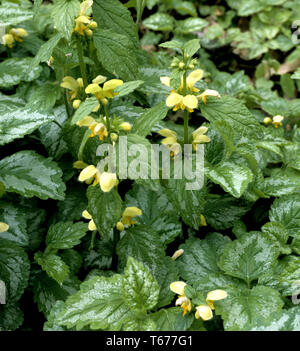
(51, 324)
(243, 307)
(191, 47)
(159, 22)
(17, 121)
(16, 217)
(165, 318)
(200, 257)
(63, 14)
(99, 304)
(65, 235)
(116, 53)
(136, 323)
(191, 25)
(148, 119)
(111, 14)
(285, 320)
(286, 210)
(282, 182)
(44, 97)
(30, 174)
(235, 113)
(16, 70)
(173, 44)
(11, 316)
(14, 269)
(278, 234)
(46, 50)
(105, 208)
(140, 289)
(157, 212)
(234, 178)
(12, 14)
(248, 257)
(128, 87)
(84, 109)
(54, 266)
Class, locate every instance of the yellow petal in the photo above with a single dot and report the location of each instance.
(120, 226)
(201, 139)
(84, 6)
(132, 212)
(99, 80)
(169, 141)
(202, 221)
(167, 133)
(193, 77)
(278, 119)
(92, 225)
(112, 84)
(108, 181)
(80, 82)
(79, 164)
(20, 32)
(204, 312)
(190, 101)
(86, 121)
(69, 83)
(173, 99)
(216, 295)
(8, 39)
(177, 254)
(86, 215)
(178, 287)
(82, 19)
(93, 89)
(87, 173)
(3, 227)
(165, 81)
(201, 130)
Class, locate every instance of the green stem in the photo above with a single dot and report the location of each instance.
(81, 61)
(66, 104)
(8, 50)
(116, 239)
(58, 124)
(186, 127)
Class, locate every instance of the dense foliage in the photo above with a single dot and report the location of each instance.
(87, 249)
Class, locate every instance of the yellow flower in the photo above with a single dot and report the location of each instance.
(176, 99)
(177, 254)
(74, 85)
(205, 311)
(8, 40)
(105, 92)
(125, 126)
(170, 140)
(106, 180)
(277, 121)
(182, 301)
(92, 225)
(82, 20)
(129, 213)
(18, 34)
(96, 128)
(199, 137)
(206, 93)
(120, 226)
(3, 227)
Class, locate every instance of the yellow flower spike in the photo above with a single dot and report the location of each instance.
(76, 104)
(277, 121)
(120, 226)
(204, 312)
(93, 89)
(99, 79)
(206, 93)
(125, 126)
(8, 40)
(177, 254)
(80, 164)
(267, 120)
(178, 287)
(3, 227)
(88, 173)
(193, 78)
(129, 213)
(108, 181)
(215, 295)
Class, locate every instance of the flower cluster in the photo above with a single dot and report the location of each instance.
(128, 214)
(14, 35)
(86, 215)
(204, 310)
(83, 22)
(276, 120)
(75, 87)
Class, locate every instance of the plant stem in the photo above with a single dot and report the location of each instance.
(116, 239)
(186, 127)
(81, 61)
(66, 104)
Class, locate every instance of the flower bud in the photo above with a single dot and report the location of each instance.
(93, 25)
(181, 65)
(125, 126)
(191, 66)
(113, 136)
(89, 32)
(267, 120)
(76, 104)
(120, 226)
